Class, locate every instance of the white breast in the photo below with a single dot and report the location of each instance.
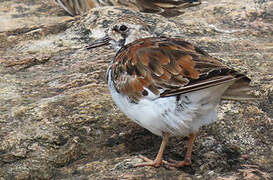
(178, 116)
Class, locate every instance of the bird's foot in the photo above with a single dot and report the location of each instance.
(148, 162)
(178, 164)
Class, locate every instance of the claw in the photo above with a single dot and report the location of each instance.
(179, 164)
(149, 162)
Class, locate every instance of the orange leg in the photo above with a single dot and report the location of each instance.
(187, 160)
(158, 160)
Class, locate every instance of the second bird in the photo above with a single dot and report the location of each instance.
(167, 8)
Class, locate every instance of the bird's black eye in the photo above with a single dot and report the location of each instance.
(123, 28)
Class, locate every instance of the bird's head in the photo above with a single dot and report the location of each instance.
(122, 33)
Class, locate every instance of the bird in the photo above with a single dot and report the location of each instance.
(167, 85)
(167, 8)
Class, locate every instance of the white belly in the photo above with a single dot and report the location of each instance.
(170, 115)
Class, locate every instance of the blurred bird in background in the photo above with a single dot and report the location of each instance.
(167, 8)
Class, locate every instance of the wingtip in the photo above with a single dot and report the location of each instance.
(65, 7)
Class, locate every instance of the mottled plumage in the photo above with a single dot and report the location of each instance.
(168, 85)
(167, 8)
(168, 64)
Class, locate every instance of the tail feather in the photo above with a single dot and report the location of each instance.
(240, 90)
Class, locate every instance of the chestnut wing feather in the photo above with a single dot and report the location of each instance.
(167, 67)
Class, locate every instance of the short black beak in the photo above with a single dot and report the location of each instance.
(99, 42)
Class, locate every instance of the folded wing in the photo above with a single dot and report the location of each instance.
(171, 66)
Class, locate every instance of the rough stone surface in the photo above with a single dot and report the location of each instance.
(58, 121)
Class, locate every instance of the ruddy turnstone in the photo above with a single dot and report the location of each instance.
(167, 85)
(166, 8)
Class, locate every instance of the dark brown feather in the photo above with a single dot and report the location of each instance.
(167, 8)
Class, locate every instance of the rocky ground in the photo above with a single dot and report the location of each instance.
(58, 121)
